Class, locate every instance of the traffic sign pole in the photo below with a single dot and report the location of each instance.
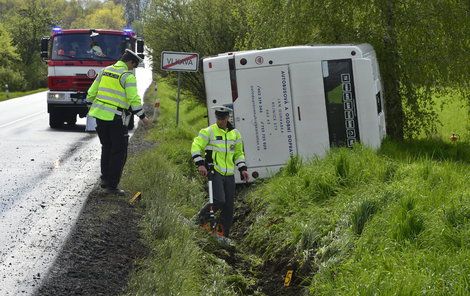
(178, 99)
(179, 61)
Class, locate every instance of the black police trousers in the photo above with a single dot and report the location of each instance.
(224, 192)
(114, 140)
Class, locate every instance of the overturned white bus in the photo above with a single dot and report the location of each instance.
(298, 100)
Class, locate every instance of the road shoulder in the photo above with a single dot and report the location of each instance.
(102, 250)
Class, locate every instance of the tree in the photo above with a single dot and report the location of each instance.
(28, 22)
(422, 46)
(133, 9)
(107, 16)
(68, 12)
(391, 71)
(432, 46)
(207, 27)
(6, 5)
(9, 72)
(133, 13)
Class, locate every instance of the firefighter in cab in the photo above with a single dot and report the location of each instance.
(217, 152)
(114, 99)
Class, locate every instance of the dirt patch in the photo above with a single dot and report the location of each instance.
(271, 274)
(100, 253)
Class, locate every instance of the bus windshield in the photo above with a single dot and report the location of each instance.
(103, 47)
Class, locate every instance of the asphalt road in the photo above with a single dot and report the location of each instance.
(45, 178)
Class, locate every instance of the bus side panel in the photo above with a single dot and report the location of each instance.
(264, 116)
(379, 94)
(311, 125)
(218, 91)
(367, 105)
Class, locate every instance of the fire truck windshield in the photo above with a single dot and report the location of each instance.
(90, 47)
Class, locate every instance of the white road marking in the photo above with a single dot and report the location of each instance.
(20, 119)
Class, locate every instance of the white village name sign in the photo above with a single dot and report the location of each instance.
(179, 61)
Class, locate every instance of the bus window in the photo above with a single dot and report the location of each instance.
(340, 103)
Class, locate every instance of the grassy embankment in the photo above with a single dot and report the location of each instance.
(11, 95)
(392, 222)
(396, 222)
(172, 194)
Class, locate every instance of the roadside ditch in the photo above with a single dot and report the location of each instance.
(106, 244)
(267, 277)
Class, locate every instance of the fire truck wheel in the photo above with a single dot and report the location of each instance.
(72, 120)
(55, 120)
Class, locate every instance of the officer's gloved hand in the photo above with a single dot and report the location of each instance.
(245, 176)
(202, 170)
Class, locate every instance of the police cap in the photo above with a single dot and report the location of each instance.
(221, 111)
(130, 55)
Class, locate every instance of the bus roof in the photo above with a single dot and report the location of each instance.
(292, 54)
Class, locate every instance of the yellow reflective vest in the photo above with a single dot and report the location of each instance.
(114, 91)
(226, 147)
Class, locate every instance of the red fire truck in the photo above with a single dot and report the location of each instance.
(74, 58)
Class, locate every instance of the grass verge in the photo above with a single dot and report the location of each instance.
(11, 95)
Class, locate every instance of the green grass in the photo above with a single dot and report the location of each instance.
(359, 222)
(454, 114)
(391, 222)
(387, 223)
(11, 95)
(172, 194)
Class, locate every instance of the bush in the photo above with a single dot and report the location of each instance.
(14, 80)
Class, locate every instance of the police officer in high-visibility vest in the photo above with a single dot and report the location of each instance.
(114, 100)
(221, 145)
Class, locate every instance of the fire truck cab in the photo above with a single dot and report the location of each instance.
(74, 58)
